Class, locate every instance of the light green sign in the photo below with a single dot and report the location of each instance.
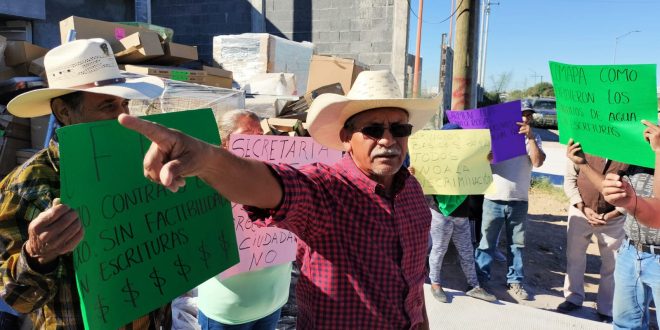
(143, 244)
(601, 107)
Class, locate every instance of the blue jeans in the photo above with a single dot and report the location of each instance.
(636, 280)
(266, 323)
(512, 215)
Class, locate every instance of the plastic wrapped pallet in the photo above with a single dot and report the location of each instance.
(264, 105)
(182, 96)
(250, 54)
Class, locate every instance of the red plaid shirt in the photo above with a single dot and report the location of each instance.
(364, 266)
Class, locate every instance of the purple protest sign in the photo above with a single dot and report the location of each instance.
(501, 120)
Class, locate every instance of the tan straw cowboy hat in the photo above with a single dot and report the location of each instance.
(82, 65)
(371, 90)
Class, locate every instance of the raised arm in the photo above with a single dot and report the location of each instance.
(174, 156)
(536, 154)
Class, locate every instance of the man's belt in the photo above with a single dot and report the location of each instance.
(653, 249)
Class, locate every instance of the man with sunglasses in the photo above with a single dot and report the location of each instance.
(508, 206)
(364, 220)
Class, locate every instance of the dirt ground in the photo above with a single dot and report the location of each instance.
(544, 259)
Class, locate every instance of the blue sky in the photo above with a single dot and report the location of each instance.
(525, 34)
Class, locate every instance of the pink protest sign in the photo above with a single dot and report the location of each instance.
(261, 247)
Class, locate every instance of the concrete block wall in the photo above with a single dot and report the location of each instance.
(361, 30)
(33, 9)
(46, 33)
(196, 22)
(374, 32)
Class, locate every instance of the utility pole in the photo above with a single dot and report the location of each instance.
(415, 88)
(536, 75)
(484, 41)
(452, 20)
(464, 80)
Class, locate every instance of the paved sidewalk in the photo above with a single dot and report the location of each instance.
(467, 313)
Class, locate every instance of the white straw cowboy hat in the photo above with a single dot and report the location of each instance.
(82, 65)
(372, 89)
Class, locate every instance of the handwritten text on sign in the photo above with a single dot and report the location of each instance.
(143, 244)
(601, 107)
(259, 246)
(451, 162)
(501, 120)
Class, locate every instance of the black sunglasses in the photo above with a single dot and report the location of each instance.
(377, 131)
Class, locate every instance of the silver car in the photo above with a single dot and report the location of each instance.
(545, 112)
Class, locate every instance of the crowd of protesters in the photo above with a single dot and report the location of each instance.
(341, 280)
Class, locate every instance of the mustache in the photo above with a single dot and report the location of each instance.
(386, 152)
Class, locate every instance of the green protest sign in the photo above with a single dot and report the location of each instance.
(143, 244)
(601, 107)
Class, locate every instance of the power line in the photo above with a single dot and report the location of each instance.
(427, 22)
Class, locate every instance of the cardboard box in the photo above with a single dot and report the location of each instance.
(176, 54)
(326, 70)
(218, 72)
(22, 52)
(87, 28)
(283, 126)
(140, 47)
(37, 67)
(218, 77)
(180, 74)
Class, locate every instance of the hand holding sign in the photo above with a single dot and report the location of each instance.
(652, 135)
(616, 191)
(574, 153)
(52, 233)
(525, 128)
(601, 106)
(143, 244)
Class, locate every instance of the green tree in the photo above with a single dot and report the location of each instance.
(490, 98)
(542, 89)
(516, 94)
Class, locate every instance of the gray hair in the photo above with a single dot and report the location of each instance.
(230, 118)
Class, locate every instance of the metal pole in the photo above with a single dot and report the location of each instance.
(616, 42)
(415, 88)
(451, 24)
(481, 41)
(482, 75)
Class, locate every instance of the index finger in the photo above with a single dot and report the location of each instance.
(650, 125)
(154, 132)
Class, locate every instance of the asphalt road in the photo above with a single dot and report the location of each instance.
(554, 166)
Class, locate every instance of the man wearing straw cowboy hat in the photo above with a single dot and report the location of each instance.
(364, 219)
(37, 233)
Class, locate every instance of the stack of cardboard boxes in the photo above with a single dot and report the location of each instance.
(21, 58)
(144, 51)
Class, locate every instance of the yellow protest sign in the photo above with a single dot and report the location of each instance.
(451, 162)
